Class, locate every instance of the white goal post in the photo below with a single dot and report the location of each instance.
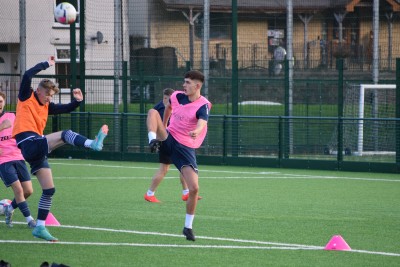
(361, 105)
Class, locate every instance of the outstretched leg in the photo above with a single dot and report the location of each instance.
(60, 138)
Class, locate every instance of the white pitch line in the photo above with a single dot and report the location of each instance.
(152, 168)
(200, 237)
(276, 245)
(284, 176)
(149, 245)
(375, 252)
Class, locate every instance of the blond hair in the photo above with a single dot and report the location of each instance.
(49, 85)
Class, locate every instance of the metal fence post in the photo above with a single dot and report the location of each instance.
(224, 139)
(339, 64)
(72, 36)
(288, 131)
(281, 137)
(398, 112)
(235, 82)
(82, 66)
(123, 132)
(125, 86)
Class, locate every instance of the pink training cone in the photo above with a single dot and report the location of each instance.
(51, 220)
(337, 243)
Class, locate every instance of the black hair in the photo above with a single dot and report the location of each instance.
(195, 75)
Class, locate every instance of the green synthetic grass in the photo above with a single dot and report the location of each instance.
(247, 217)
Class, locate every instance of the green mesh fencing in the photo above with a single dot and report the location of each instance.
(272, 74)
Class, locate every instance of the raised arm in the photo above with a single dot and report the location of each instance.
(25, 87)
(167, 114)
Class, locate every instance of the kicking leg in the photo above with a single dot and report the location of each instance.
(154, 128)
(60, 138)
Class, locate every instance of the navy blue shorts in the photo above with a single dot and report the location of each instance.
(35, 151)
(163, 156)
(181, 155)
(13, 171)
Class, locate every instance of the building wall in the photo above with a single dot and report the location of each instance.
(172, 29)
(164, 28)
(9, 21)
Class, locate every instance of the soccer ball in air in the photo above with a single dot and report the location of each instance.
(65, 13)
(3, 203)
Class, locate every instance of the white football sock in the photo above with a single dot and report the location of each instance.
(150, 193)
(189, 220)
(152, 135)
(185, 191)
(28, 219)
(88, 143)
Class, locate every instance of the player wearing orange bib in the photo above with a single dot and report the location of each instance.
(33, 109)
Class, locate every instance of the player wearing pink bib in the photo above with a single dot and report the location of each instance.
(8, 146)
(187, 113)
(184, 118)
(13, 170)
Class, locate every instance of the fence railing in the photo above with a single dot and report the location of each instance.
(312, 127)
(275, 141)
(319, 56)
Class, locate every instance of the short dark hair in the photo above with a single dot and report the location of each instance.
(195, 75)
(168, 91)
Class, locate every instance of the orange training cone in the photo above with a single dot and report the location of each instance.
(337, 243)
(51, 220)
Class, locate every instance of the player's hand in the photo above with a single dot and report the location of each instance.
(77, 94)
(51, 61)
(193, 134)
(5, 124)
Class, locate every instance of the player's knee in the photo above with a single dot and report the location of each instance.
(63, 134)
(49, 192)
(28, 192)
(194, 189)
(152, 112)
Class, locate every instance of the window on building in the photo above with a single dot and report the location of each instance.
(65, 69)
(276, 31)
(3, 48)
(63, 54)
(63, 65)
(220, 26)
